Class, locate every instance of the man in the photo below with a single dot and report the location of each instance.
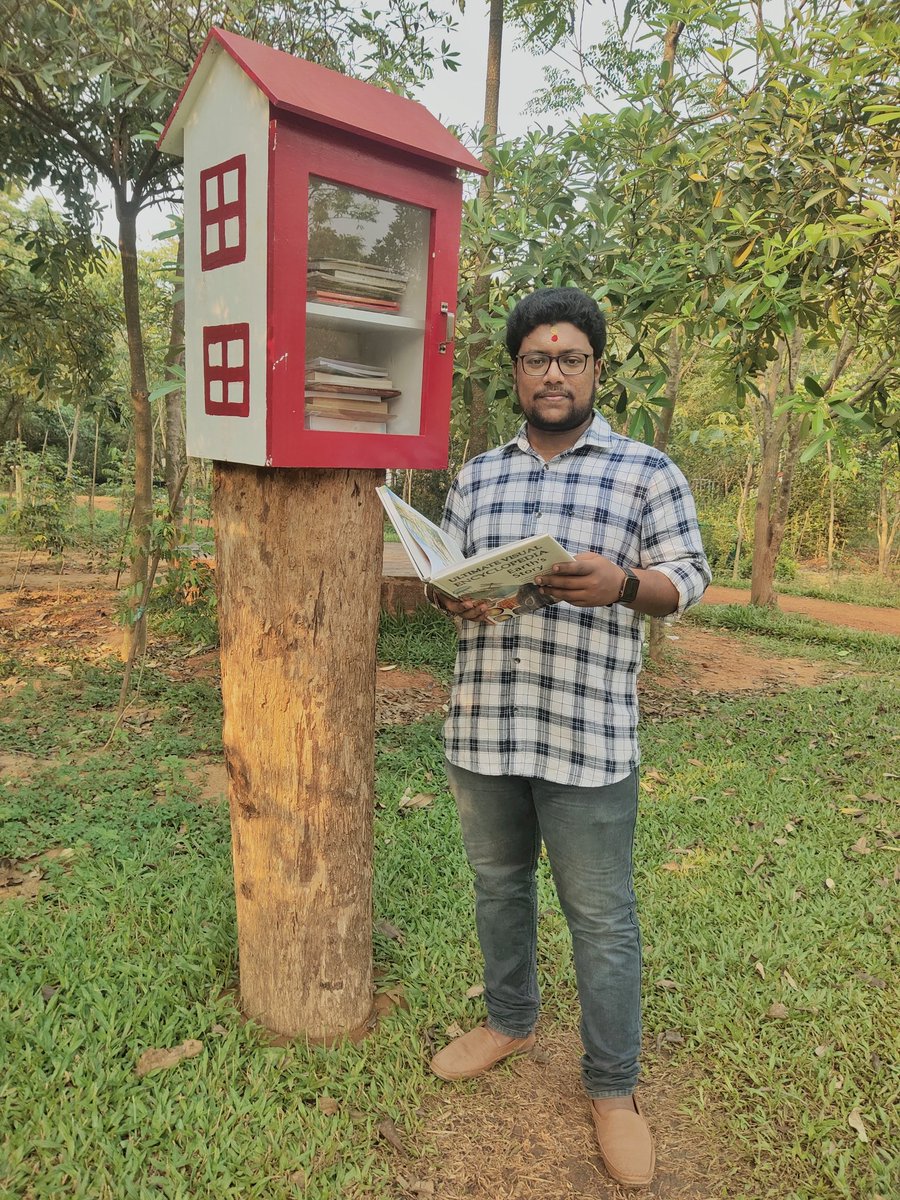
(541, 737)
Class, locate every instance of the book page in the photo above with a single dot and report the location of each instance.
(421, 537)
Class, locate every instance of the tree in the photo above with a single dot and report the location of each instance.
(82, 91)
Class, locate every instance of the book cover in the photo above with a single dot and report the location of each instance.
(343, 367)
(350, 403)
(339, 264)
(343, 380)
(504, 575)
(354, 388)
(348, 414)
(333, 424)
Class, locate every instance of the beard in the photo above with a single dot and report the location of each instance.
(579, 412)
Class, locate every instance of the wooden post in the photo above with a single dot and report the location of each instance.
(298, 561)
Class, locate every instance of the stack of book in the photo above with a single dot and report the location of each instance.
(355, 284)
(349, 397)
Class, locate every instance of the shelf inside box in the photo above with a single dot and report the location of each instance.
(333, 314)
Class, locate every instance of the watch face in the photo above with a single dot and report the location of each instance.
(629, 588)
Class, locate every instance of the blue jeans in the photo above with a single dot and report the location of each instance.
(589, 835)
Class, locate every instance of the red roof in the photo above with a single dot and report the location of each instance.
(311, 91)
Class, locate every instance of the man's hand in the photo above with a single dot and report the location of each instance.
(591, 581)
(469, 610)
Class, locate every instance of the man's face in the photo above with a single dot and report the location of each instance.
(557, 403)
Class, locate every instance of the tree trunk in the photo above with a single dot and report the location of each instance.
(94, 471)
(778, 458)
(739, 520)
(142, 423)
(888, 521)
(830, 552)
(657, 642)
(299, 576)
(174, 438)
(71, 438)
(479, 416)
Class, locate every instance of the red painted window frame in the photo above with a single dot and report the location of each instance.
(210, 260)
(295, 154)
(222, 335)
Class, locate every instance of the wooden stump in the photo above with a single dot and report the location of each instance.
(299, 571)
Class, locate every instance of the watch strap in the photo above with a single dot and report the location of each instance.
(629, 590)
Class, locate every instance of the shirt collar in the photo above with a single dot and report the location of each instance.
(599, 434)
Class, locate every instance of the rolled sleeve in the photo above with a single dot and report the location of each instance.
(670, 537)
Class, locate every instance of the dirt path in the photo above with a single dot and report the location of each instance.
(832, 612)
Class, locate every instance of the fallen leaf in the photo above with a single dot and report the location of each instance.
(48, 991)
(779, 841)
(668, 985)
(328, 1106)
(219, 1029)
(861, 846)
(871, 980)
(789, 979)
(759, 862)
(820, 1050)
(421, 1187)
(388, 1130)
(829, 883)
(760, 970)
(158, 1060)
(419, 800)
(454, 1030)
(855, 1121)
(389, 667)
(776, 1012)
(476, 990)
(539, 1056)
(386, 929)
(851, 812)
(673, 1037)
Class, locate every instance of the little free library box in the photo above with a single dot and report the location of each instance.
(321, 229)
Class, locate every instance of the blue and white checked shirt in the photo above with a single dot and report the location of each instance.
(553, 694)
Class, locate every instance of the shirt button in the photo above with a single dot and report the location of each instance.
(518, 660)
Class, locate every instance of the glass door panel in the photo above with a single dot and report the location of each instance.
(366, 290)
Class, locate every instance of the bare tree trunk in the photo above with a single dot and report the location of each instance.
(174, 437)
(71, 438)
(888, 518)
(142, 424)
(479, 416)
(779, 443)
(739, 520)
(830, 550)
(94, 471)
(298, 622)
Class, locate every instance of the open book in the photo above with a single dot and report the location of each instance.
(505, 575)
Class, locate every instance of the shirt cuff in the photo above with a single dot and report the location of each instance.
(689, 582)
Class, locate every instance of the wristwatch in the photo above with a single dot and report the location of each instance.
(629, 590)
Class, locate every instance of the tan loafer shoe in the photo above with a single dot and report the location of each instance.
(626, 1144)
(476, 1052)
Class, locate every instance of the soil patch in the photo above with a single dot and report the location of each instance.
(524, 1131)
(832, 612)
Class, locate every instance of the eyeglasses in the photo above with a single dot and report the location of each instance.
(571, 362)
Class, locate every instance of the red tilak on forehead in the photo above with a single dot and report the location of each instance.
(554, 336)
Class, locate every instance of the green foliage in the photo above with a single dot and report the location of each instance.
(44, 521)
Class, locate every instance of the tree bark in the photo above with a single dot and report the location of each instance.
(779, 444)
(142, 423)
(739, 519)
(174, 438)
(299, 571)
(479, 416)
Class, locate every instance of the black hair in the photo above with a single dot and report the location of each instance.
(548, 306)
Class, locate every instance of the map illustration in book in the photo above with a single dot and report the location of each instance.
(504, 575)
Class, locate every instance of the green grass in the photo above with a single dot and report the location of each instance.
(134, 944)
(797, 634)
(848, 587)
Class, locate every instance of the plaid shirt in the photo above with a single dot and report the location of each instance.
(553, 694)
